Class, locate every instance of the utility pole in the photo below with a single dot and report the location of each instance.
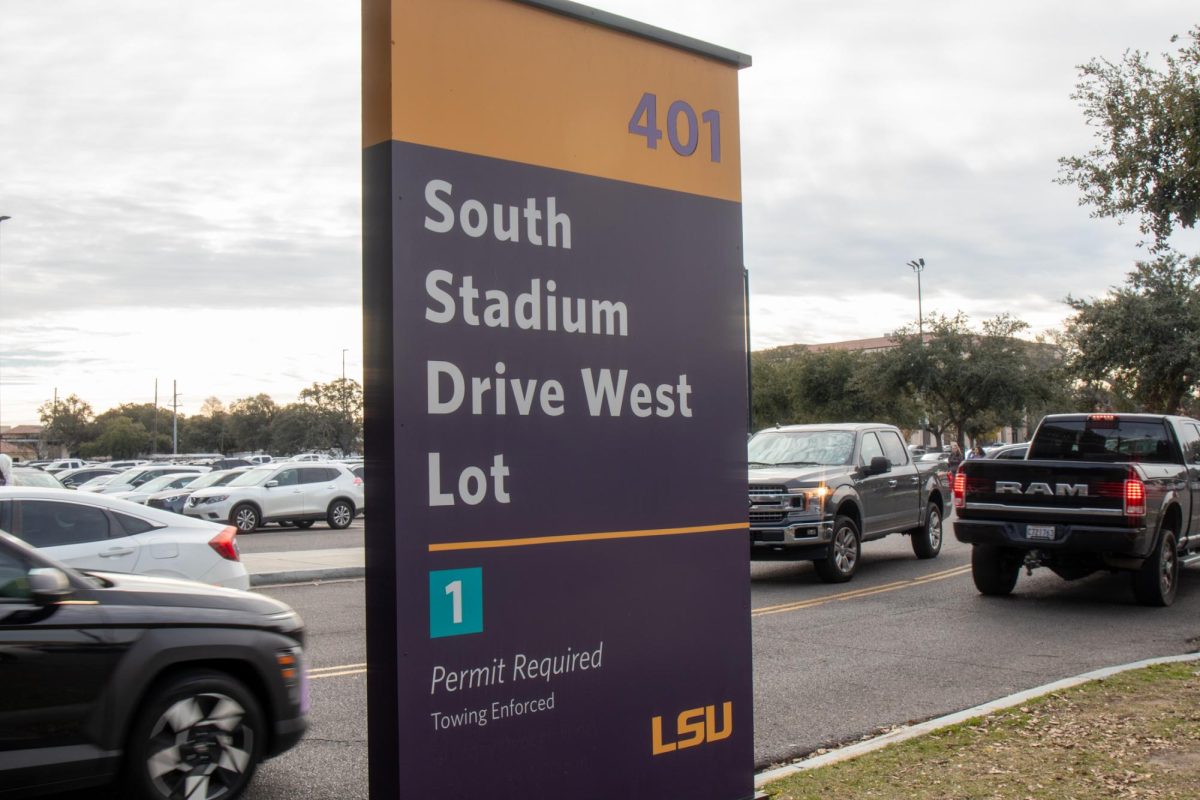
(344, 349)
(154, 441)
(174, 419)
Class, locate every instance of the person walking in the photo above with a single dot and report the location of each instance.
(976, 451)
(956, 458)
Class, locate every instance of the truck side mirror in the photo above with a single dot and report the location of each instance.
(879, 465)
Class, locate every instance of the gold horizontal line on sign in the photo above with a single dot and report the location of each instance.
(490, 544)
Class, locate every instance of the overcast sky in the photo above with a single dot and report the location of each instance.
(184, 179)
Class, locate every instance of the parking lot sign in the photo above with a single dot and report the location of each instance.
(558, 601)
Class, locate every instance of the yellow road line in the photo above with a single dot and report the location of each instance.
(852, 595)
(339, 667)
(313, 677)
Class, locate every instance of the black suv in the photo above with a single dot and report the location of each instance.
(174, 688)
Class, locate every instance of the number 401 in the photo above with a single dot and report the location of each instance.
(683, 129)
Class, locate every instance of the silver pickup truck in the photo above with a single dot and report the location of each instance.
(817, 492)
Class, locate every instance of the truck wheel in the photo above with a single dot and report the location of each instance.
(1156, 583)
(201, 734)
(994, 569)
(927, 541)
(842, 558)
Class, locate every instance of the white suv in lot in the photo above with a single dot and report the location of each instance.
(299, 493)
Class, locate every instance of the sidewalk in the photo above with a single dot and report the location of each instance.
(301, 566)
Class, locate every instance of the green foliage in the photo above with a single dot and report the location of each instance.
(67, 422)
(249, 423)
(1139, 347)
(796, 385)
(1148, 122)
(972, 382)
(337, 408)
(120, 437)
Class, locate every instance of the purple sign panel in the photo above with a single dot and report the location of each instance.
(558, 601)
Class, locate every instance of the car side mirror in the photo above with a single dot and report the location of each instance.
(271, 484)
(879, 465)
(48, 585)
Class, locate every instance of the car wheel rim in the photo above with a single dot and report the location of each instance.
(341, 515)
(935, 530)
(1167, 566)
(845, 553)
(200, 748)
(246, 520)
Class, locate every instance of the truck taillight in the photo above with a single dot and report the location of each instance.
(225, 543)
(1135, 498)
(960, 489)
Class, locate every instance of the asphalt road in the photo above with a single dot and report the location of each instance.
(906, 640)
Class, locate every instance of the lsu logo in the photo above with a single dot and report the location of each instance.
(693, 727)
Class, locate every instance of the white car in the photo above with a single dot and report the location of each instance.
(289, 492)
(133, 462)
(92, 531)
(172, 480)
(309, 457)
(260, 459)
(134, 477)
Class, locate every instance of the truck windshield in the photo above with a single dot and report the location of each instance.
(822, 448)
(1104, 438)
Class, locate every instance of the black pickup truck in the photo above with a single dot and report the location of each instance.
(817, 492)
(1117, 492)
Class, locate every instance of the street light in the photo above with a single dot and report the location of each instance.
(344, 349)
(2, 218)
(918, 267)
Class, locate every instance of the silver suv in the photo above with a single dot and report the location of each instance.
(294, 493)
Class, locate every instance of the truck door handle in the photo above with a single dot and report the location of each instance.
(114, 552)
(892, 484)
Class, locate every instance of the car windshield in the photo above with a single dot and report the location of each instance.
(160, 483)
(35, 477)
(251, 477)
(218, 478)
(97, 481)
(824, 448)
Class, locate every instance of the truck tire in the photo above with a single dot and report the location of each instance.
(994, 569)
(1157, 581)
(841, 559)
(927, 540)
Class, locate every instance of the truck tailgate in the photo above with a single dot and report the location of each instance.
(1054, 491)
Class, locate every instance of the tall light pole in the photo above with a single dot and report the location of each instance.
(344, 349)
(918, 267)
(2, 218)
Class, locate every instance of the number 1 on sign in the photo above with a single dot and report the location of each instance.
(454, 589)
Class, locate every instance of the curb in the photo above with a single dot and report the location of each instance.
(306, 576)
(912, 731)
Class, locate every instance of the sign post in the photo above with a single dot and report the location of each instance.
(558, 601)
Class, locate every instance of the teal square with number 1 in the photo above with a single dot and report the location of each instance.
(455, 602)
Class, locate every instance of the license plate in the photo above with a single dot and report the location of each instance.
(1039, 532)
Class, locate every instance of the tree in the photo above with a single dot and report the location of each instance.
(67, 422)
(966, 381)
(298, 427)
(1142, 341)
(147, 415)
(794, 384)
(120, 437)
(1148, 160)
(249, 422)
(339, 404)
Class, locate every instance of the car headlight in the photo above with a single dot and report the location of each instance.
(216, 498)
(174, 499)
